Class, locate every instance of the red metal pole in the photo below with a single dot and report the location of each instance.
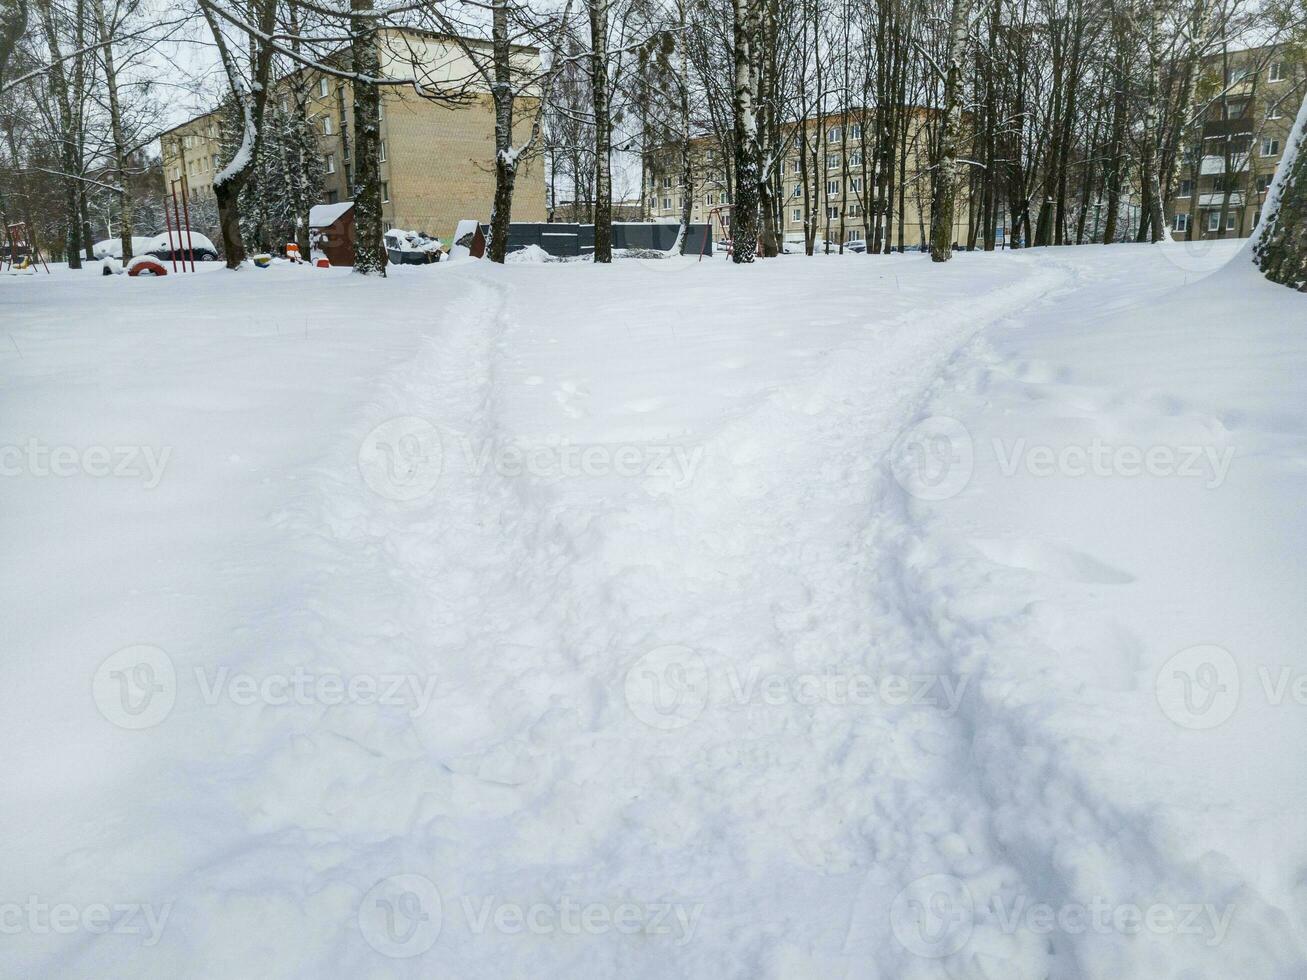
(167, 223)
(186, 206)
(177, 223)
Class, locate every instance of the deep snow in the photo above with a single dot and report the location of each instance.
(830, 617)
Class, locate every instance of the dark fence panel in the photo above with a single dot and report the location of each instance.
(566, 240)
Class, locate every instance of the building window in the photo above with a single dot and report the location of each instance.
(796, 215)
(832, 187)
(832, 161)
(667, 182)
(329, 163)
(1229, 221)
(855, 158)
(322, 87)
(794, 166)
(332, 197)
(1276, 73)
(857, 185)
(855, 210)
(667, 204)
(1214, 221)
(798, 191)
(853, 235)
(1238, 74)
(832, 213)
(381, 152)
(1270, 148)
(1181, 222)
(1273, 111)
(833, 135)
(1264, 182)
(215, 163)
(855, 131)
(1186, 188)
(385, 191)
(326, 125)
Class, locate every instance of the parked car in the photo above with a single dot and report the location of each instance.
(157, 245)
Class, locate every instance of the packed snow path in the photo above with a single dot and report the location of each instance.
(689, 621)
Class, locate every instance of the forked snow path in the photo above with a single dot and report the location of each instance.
(699, 693)
(673, 651)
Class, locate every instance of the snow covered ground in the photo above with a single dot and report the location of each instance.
(832, 617)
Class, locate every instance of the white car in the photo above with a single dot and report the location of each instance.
(157, 245)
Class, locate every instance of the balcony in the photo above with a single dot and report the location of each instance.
(1212, 165)
(1214, 200)
(1226, 129)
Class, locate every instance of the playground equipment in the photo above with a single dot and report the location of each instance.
(145, 265)
(721, 217)
(23, 252)
(176, 220)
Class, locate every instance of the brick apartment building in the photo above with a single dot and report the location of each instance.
(437, 160)
(1229, 162)
(836, 190)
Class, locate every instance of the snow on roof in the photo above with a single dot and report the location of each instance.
(321, 215)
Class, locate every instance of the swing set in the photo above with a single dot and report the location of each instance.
(23, 252)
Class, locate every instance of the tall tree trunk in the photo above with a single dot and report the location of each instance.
(501, 91)
(1152, 223)
(945, 178)
(744, 212)
(120, 148)
(251, 98)
(68, 155)
(603, 131)
(369, 252)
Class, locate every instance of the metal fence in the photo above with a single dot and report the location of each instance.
(569, 240)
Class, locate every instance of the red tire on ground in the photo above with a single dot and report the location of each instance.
(145, 265)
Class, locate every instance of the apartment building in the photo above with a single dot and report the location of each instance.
(437, 159)
(839, 187)
(1251, 98)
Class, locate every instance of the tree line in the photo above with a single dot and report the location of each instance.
(1058, 121)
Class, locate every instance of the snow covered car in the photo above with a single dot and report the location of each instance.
(412, 247)
(157, 245)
